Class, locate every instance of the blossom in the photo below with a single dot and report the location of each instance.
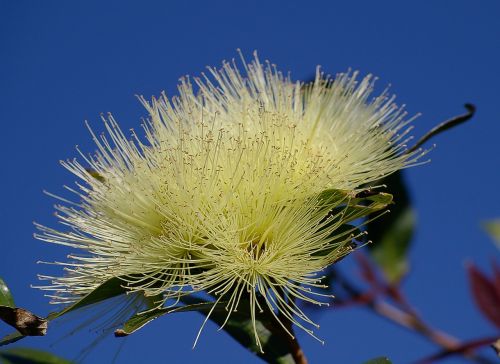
(226, 194)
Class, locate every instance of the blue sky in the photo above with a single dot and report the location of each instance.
(65, 62)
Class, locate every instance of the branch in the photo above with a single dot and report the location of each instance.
(461, 349)
(445, 125)
(408, 318)
(297, 353)
(282, 326)
(413, 323)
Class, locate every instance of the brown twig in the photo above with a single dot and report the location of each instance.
(413, 323)
(282, 326)
(461, 349)
(408, 318)
(297, 353)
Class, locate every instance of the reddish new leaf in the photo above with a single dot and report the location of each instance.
(486, 294)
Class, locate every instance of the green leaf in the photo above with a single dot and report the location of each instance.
(331, 196)
(381, 360)
(369, 205)
(29, 356)
(11, 338)
(240, 327)
(492, 227)
(344, 207)
(274, 345)
(25, 322)
(392, 233)
(6, 298)
(341, 234)
(349, 208)
(111, 288)
(141, 319)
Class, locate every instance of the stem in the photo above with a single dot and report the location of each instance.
(293, 344)
(461, 349)
(445, 125)
(297, 353)
(413, 323)
(408, 318)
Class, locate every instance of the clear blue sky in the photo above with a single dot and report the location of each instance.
(64, 62)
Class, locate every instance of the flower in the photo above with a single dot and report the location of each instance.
(227, 193)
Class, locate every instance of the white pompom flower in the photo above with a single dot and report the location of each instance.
(224, 195)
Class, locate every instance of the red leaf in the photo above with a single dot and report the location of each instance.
(486, 294)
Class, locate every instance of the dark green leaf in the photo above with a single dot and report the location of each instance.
(392, 233)
(341, 234)
(349, 208)
(6, 298)
(141, 319)
(111, 288)
(381, 360)
(331, 197)
(239, 326)
(11, 338)
(365, 206)
(29, 356)
(274, 345)
(152, 301)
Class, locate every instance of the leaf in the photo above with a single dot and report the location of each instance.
(349, 208)
(23, 321)
(275, 346)
(486, 295)
(6, 298)
(11, 338)
(492, 227)
(366, 206)
(340, 235)
(30, 356)
(29, 325)
(392, 233)
(111, 288)
(381, 360)
(239, 327)
(141, 319)
(346, 207)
